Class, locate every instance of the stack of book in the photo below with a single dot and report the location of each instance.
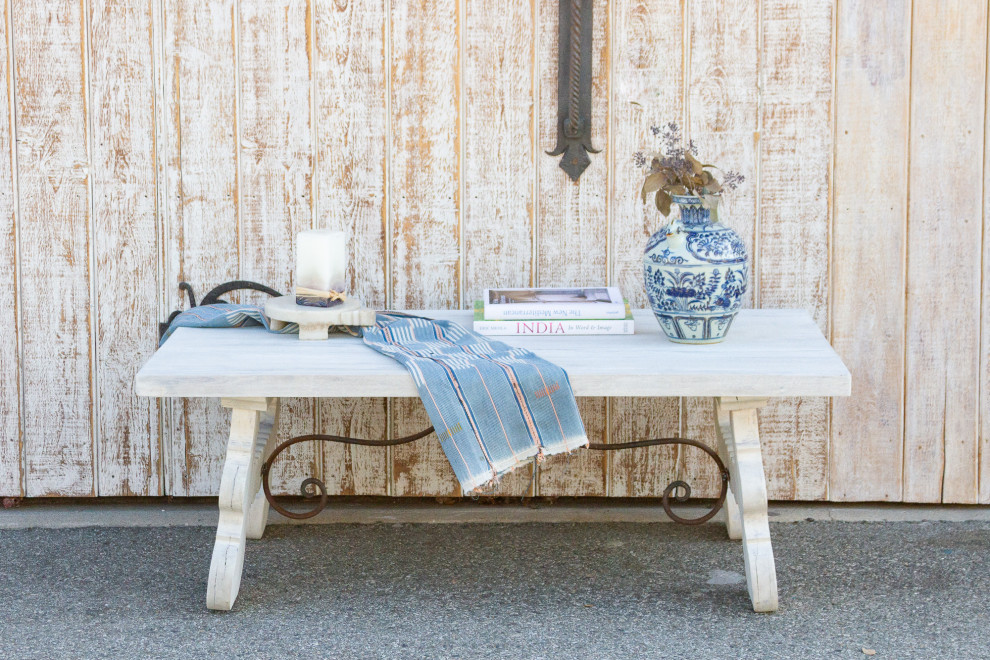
(547, 311)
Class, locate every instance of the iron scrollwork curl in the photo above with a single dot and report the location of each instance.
(319, 486)
(312, 488)
(679, 491)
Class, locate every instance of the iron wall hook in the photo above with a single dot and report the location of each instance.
(574, 87)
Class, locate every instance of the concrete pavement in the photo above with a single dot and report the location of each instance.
(492, 590)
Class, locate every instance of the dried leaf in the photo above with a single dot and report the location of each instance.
(867, 651)
(653, 182)
(695, 163)
(663, 202)
(711, 184)
(677, 189)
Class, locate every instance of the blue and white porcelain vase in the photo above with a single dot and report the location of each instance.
(696, 270)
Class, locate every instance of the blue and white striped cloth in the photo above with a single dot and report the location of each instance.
(223, 315)
(493, 406)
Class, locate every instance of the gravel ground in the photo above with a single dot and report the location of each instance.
(516, 591)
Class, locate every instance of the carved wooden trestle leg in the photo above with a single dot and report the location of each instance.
(243, 507)
(746, 503)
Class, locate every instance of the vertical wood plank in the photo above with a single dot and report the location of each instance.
(425, 143)
(53, 163)
(126, 244)
(572, 226)
(872, 95)
(985, 323)
(984, 447)
(499, 170)
(647, 90)
(276, 156)
(419, 468)
(582, 472)
(350, 469)
(10, 418)
(425, 202)
(723, 120)
(644, 472)
(944, 237)
(793, 231)
(348, 60)
(202, 243)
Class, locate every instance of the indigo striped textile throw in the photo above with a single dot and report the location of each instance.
(494, 407)
(223, 315)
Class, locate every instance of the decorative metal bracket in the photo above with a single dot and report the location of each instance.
(679, 491)
(212, 297)
(574, 87)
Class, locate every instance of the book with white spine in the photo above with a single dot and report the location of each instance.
(552, 327)
(546, 303)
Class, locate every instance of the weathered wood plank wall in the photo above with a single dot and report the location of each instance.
(942, 415)
(153, 142)
(873, 56)
(347, 45)
(11, 454)
(127, 283)
(54, 226)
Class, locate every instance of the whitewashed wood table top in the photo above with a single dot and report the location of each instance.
(767, 353)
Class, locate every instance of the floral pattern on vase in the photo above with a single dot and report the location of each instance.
(696, 271)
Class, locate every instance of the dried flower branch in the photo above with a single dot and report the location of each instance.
(676, 170)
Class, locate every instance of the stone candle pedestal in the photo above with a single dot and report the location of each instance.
(315, 322)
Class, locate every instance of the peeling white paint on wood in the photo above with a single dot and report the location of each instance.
(572, 227)
(420, 129)
(126, 244)
(723, 119)
(204, 239)
(499, 114)
(425, 205)
(10, 395)
(647, 90)
(276, 174)
(347, 44)
(53, 197)
(793, 253)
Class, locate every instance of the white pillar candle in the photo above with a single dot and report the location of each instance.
(321, 260)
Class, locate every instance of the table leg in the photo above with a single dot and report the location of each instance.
(723, 430)
(267, 431)
(739, 442)
(252, 432)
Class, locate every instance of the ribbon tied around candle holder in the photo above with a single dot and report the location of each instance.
(316, 298)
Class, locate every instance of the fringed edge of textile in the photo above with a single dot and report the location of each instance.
(488, 484)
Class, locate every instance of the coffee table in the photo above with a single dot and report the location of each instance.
(768, 353)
